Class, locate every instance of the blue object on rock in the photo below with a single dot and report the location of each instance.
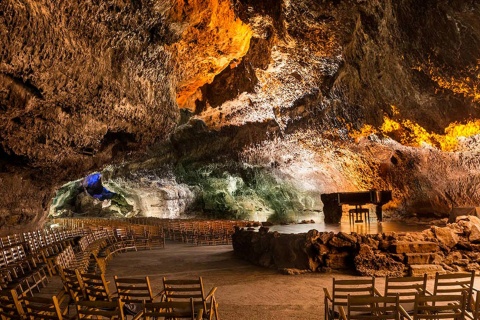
(93, 186)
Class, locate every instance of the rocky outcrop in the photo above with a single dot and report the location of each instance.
(373, 255)
(328, 95)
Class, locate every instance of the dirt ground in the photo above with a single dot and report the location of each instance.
(244, 291)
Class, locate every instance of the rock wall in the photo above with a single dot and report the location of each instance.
(329, 95)
(455, 247)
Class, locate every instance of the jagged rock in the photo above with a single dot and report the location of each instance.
(290, 251)
(473, 266)
(413, 247)
(446, 236)
(372, 243)
(369, 264)
(312, 236)
(452, 257)
(338, 261)
(339, 242)
(348, 237)
(325, 237)
(474, 236)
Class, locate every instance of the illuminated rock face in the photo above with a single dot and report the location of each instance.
(297, 87)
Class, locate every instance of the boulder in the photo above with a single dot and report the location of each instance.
(338, 242)
(325, 237)
(339, 260)
(369, 264)
(452, 257)
(474, 236)
(446, 236)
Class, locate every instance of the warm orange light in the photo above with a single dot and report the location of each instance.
(212, 38)
(467, 86)
(410, 133)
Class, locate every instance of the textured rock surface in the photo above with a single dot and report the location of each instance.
(306, 89)
(399, 255)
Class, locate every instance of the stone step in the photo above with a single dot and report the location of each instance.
(413, 247)
(422, 258)
(418, 270)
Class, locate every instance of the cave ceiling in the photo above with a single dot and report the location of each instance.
(332, 95)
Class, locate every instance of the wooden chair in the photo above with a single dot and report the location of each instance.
(100, 309)
(184, 289)
(43, 308)
(439, 307)
(371, 307)
(72, 285)
(406, 288)
(134, 291)
(340, 291)
(476, 310)
(96, 287)
(10, 306)
(456, 283)
(170, 310)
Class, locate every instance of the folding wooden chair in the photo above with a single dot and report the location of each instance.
(43, 308)
(134, 291)
(96, 287)
(340, 291)
(10, 306)
(476, 310)
(371, 307)
(72, 285)
(184, 289)
(100, 309)
(406, 288)
(170, 310)
(456, 283)
(439, 307)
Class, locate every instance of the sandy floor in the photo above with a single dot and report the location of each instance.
(244, 291)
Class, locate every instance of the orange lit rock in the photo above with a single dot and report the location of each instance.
(211, 38)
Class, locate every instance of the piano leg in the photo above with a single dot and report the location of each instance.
(378, 212)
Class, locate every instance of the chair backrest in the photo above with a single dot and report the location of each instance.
(183, 289)
(171, 310)
(455, 283)
(10, 306)
(73, 284)
(42, 308)
(406, 288)
(373, 307)
(96, 287)
(341, 289)
(100, 309)
(451, 306)
(134, 290)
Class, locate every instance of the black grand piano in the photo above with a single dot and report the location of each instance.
(332, 203)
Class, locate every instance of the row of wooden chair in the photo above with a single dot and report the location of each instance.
(137, 294)
(152, 232)
(20, 271)
(452, 306)
(411, 293)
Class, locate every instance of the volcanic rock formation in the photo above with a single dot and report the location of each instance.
(325, 95)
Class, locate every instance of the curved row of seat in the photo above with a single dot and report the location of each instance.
(80, 257)
(154, 231)
(453, 297)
